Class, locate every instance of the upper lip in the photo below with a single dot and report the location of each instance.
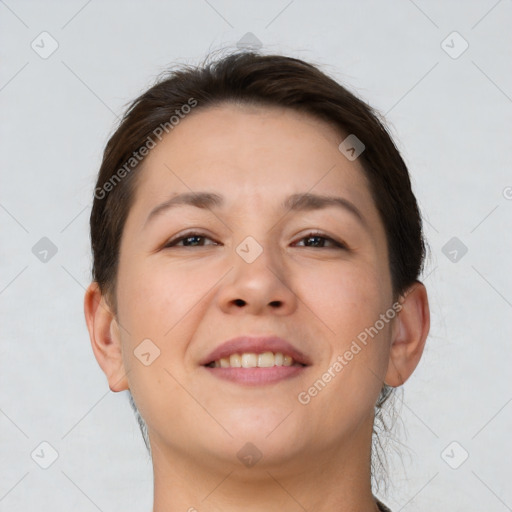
(256, 345)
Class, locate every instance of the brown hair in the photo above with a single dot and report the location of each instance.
(273, 80)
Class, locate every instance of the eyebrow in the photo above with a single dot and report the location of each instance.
(296, 202)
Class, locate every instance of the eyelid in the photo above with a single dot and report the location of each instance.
(187, 234)
(338, 244)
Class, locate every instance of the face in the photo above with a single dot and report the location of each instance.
(192, 277)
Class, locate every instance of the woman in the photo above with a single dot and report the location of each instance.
(257, 249)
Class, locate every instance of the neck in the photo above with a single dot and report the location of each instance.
(336, 479)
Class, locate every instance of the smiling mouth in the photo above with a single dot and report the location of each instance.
(253, 360)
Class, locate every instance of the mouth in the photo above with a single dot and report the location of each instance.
(255, 376)
(256, 360)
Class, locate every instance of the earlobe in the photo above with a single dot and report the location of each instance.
(105, 337)
(409, 335)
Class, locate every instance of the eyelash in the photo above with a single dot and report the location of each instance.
(313, 234)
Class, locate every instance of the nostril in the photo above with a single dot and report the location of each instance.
(239, 302)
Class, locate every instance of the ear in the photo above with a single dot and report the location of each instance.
(105, 339)
(409, 335)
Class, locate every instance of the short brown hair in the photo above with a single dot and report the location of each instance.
(275, 80)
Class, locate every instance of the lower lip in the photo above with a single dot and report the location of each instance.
(256, 376)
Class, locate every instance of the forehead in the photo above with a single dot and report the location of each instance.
(247, 150)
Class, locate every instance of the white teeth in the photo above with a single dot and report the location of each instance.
(251, 360)
(266, 360)
(235, 361)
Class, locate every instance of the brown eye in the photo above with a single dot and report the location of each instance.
(318, 240)
(189, 240)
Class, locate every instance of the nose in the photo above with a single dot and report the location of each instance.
(262, 286)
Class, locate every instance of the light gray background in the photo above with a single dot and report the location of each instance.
(451, 118)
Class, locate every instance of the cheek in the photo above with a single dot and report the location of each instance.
(348, 302)
(166, 303)
(161, 304)
(155, 300)
(346, 296)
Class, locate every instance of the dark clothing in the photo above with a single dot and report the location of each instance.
(382, 507)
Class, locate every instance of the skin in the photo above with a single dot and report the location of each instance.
(188, 300)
